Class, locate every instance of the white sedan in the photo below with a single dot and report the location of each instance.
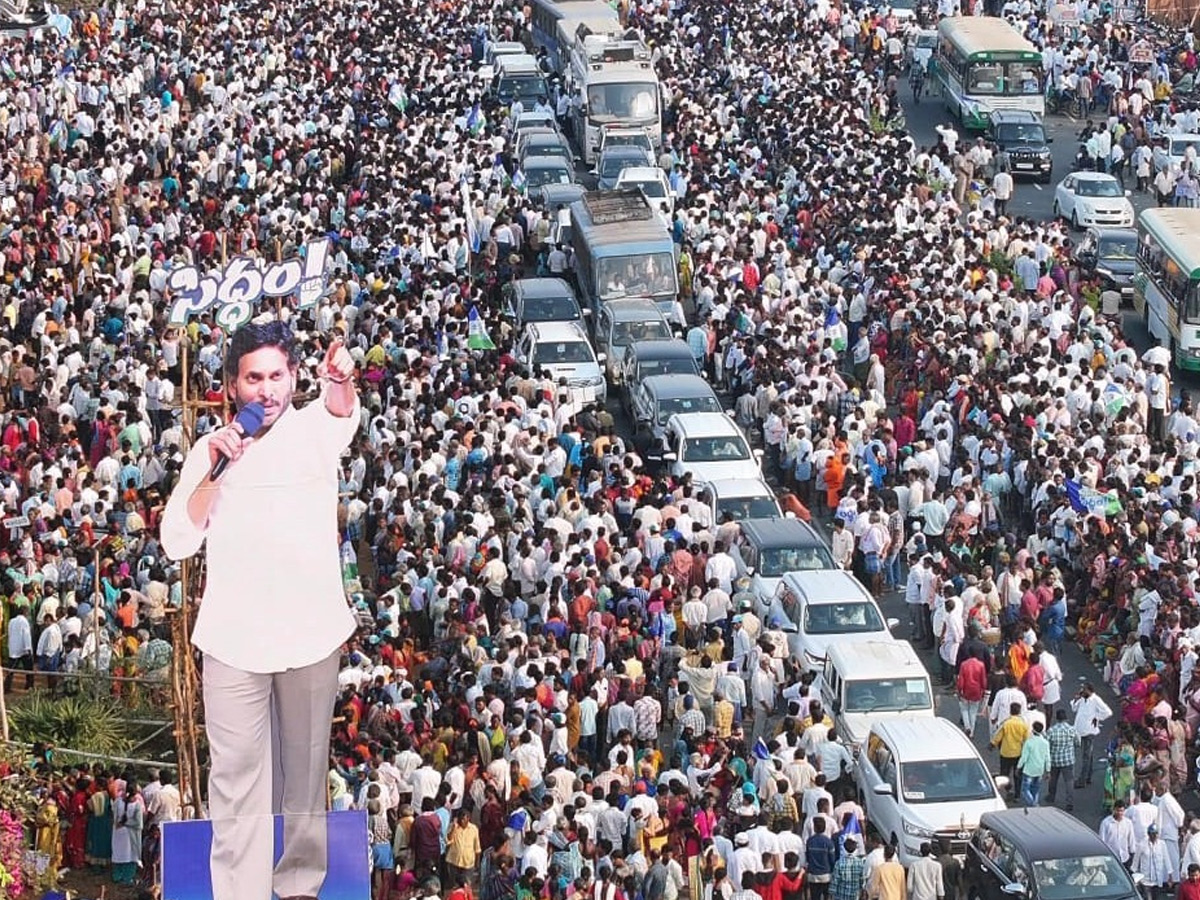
(1087, 199)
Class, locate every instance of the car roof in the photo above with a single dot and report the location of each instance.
(563, 193)
(633, 309)
(777, 532)
(539, 135)
(701, 424)
(1044, 832)
(557, 331)
(876, 659)
(546, 162)
(737, 487)
(917, 739)
(543, 287)
(672, 386)
(1128, 233)
(827, 585)
(672, 349)
(642, 173)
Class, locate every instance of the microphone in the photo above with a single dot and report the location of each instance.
(249, 419)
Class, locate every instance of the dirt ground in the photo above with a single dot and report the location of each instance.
(87, 885)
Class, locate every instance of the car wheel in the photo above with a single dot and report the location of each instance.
(1056, 213)
(895, 842)
(1075, 222)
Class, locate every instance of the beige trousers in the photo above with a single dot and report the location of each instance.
(268, 736)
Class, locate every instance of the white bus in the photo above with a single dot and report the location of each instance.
(611, 82)
(984, 64)
(556, 21)
(1166, 288)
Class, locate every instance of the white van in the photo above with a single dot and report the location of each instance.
(817, 609)
(865, 682)
(562, 349)
(923, 780)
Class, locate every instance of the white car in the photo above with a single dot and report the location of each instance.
(921, 44)
(921, 780)
(821, 607)
(1088, 199)
(654, 184)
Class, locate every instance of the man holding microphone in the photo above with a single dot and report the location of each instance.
(262, 493)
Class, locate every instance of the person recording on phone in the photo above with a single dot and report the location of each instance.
(261, 494)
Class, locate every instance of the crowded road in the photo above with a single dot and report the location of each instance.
(1030, 199)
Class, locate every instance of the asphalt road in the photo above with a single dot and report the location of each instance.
(1031, 200)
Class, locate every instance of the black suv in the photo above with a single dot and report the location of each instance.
(1021, 134)
(1042, 853)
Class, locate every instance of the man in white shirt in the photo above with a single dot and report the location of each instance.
(1090, 711)
(20, 649)
(841, 542)
(270, 524)
(1117, 832)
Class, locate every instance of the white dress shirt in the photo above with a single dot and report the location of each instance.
(274, 598)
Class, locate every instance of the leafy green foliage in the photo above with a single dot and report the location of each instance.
(88, 724)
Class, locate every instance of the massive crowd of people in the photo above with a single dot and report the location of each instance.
(524, 711)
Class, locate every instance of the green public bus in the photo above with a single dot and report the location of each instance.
(1166, 287)
(983, 64)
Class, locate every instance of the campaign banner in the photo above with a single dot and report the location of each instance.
(234, 290)
(185, 858)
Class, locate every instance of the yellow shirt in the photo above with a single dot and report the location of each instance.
(462, 846)
(1010, 736)
(723, 718)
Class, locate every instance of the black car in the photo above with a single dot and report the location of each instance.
(1042, 853)
(1109, 254)
(1021, 135)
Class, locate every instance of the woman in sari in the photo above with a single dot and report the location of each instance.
(1120, 778)
(48, 839)
(75, 845)
(98, 841)
(129, 816)
(1136, 699)
(1180, 735)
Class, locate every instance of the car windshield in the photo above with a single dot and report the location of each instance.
(1118, 248)
(613, 102)
(527, 87)
(1077, 877)
(550, 309)
(644, 275)
(739, 508)
(1023, 133)
(625, 333)
(614, 164)
(775, 561)
(946, 781)
(669, 406)
(927, 41)
(851, 617)
(887, 695)
(628, 140)
(1098, 187)
(538, 177)
(552, 353)
(682, 365)
(726, 448)
(1179, 146)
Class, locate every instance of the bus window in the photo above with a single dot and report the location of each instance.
(1192, 307)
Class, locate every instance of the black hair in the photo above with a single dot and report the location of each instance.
(256, 335)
